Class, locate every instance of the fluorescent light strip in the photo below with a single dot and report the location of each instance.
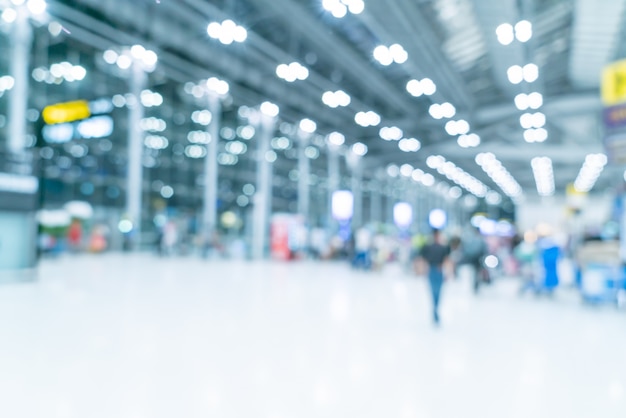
(499, 174)
(590, 172)
(457, 175)
(544, 175)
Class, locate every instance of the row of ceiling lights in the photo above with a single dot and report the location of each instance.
(59, 72)
(532, 123)
(425, 179)
(228, 32)
(457, 175)
(35, 8)
(590, 172)
(544, 175)
(6, 83)
(340, 8)
(295, 71)
(499, 174)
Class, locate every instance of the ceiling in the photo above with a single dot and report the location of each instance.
(452, 42)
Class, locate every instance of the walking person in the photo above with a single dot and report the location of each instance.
(474, 252)
(436, 255)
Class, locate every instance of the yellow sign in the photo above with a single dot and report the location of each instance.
(66, 112)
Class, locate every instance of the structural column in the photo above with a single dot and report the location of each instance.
(21, 41)
(210, 198)
(357, 192)
(376, 202)
(134, 189)
(333, 185)
(304, 167)
(263, 195)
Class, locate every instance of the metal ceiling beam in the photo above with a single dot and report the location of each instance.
(342, 54)
(403, 22)
(178, 38)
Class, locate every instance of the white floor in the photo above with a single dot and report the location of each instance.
(140, 337)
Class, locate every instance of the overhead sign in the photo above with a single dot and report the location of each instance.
(96, 127)
(614, 99)
(66, 112)
(614, 83)
(615, 145)
(615, 116)
(14, 183)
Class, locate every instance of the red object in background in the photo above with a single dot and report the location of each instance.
(279, 234)
(75, 234)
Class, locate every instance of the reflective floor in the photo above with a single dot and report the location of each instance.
(140, 337)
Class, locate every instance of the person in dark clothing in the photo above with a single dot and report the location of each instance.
(436, 255)
(474, 252)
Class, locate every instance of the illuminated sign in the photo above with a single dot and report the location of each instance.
(96, 127)
(18, 184)
(66, 112)
(342, 205)
(614, 83)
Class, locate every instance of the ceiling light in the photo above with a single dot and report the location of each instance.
(388, 55)
(435, 111)
(336, 98)
(541, 135)
(399, 54)
(468, 141)
(336, 139)
(526, 120)
(414, 87)
(435, 161)
(227, 32)
(218, 86)
(406, 170)
(392, 133)
(522, 101)
(308, 126)
(457, 175)
(366, 119)
(500, 175)
(515, 74)
(383, 55)
(409, 145)
(523, 31)
(459, 127)
(393, 170)
(9, 15)
(355, 6)
(505, 34)
(428, 180)
(292, 72)
(417, 174)
(539, 120)
(531, 72)
(447, 110)
(590, 172)
(110, 56)
(429, 86)
(269, 109)
(36, 7)
(535, 100)
(359, 149)
(544, 175)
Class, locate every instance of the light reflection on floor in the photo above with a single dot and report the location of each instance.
(141, 337)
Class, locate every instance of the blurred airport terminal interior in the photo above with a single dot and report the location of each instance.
(312, 208)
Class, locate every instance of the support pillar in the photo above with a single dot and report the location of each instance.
(357, 192)
(333, 186)
(134, 189)
(211, 185)
(21, 41)
(263, 195)
(304, 168)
